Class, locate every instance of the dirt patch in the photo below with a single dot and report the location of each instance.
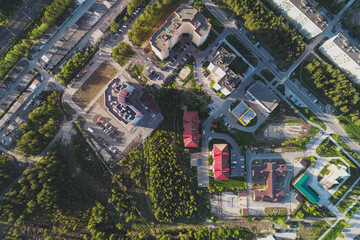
(94, 84)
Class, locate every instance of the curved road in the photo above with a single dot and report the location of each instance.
(328, 119)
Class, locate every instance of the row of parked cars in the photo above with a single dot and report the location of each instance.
(173, 60)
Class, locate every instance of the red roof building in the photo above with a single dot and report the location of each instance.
(269, 173)
(191, 133)
(220, 155)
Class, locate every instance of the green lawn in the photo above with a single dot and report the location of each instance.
(351, 129)
(312, 117)
(331, 5)
(238, 66)
(336, 230)
(247, 54)
(216, 24)
(237, 183)
(313, 231)
(267, 75)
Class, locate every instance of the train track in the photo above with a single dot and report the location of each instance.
(17, 24)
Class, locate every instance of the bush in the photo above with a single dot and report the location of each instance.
(52, 12)
(74, 65)
(122, 53)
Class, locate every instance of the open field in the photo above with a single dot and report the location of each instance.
(94, 84)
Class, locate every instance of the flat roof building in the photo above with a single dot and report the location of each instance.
(302, 185)
(220, 66)
(116, 100)
(305, 17)
(182, 20)
(336, 174)
(264, 96)
(243, 113)
(344, 54)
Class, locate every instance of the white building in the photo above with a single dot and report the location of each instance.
(305, 17)
(336, 174)
(183, 20)
(344, 54)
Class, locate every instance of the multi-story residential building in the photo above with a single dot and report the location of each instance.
(220, 166)
(183, 20)
(304, 16)
(191, 132)
(227, 79)
(344, 54)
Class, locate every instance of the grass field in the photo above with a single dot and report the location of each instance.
(267, 74)
(233, 183)
(336, 230)
(312, 117)
(94, 84)
(238, 66)
(314, 232)
(351, 129)
(247, 54)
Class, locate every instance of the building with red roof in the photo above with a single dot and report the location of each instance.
(191, 132)
(268, 175)
(220, 156)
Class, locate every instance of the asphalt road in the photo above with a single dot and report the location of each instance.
(23, 17)
(329, 120)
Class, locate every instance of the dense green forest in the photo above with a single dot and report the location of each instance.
(21, 48)
(42, 126)
(269, 28)
(52, 12)
(7, 9)
(51, 203)
(334, 86)
(122, 53)
(153, 17)
(13, 56)
(9, 169)
(74, 65)
(230, 233)
(169, 186)
(133, 5)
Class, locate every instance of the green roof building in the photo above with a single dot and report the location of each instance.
(301, 185)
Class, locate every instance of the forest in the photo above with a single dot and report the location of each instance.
(19, 49)
(146, 23)
(333, 86)
(42, 126)
(133, 5)
(51, 13)
(169, 186)
(7, 9)
(122, 53)
(271, 29)
(13, 56)
(74, 65)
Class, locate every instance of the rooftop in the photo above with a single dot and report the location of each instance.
(191, 125)
(310, 12)
(350, 49)
(173, 23)
(243, 113)
(221, 161)
(301, 185)
(264, 95)
(270, 171)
